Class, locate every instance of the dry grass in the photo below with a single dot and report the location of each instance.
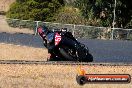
(49, 76)
(5, 28)
(14, 52)
(4, 4)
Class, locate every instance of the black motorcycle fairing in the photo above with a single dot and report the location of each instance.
(69, 35)
(68, 42)
(68, 49)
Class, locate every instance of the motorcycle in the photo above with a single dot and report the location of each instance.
(63, 46)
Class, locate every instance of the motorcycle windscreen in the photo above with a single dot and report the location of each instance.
(50, 37)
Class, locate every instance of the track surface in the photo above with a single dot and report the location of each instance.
(103, 50)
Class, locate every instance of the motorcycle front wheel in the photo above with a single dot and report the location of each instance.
(89, 58)
(68, 53)
(85, 56)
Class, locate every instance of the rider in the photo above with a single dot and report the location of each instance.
(42, 31)
(48, 40)
(67, 34)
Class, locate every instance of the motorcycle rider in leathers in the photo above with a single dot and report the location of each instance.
(48, 40)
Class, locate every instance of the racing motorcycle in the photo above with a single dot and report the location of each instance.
(63, 46)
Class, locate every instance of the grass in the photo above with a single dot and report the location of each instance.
(4, 27)
(48, 76)
(5, 4)
(14, 52)
(54, 76)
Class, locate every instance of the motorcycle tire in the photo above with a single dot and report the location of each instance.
(64, 53)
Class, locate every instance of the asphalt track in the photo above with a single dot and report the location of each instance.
(102, 50)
